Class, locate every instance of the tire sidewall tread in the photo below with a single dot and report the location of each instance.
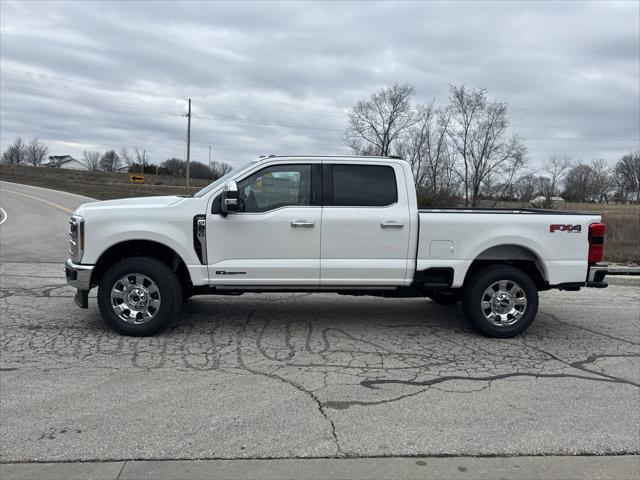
(480, 281)
(167, 282)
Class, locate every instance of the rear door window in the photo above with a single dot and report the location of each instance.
(363, 186)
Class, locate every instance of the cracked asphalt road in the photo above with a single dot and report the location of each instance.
(313, 375)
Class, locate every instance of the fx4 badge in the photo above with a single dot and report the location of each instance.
(565, 228)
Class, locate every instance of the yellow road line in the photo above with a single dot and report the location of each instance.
(52, 204)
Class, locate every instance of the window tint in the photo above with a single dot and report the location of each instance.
(275, 187)
(364, 186)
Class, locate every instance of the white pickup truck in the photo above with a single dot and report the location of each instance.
(348, 225)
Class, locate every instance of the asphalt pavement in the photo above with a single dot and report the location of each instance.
(37, 223)
(281, 377)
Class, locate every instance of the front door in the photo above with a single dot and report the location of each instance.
(365, 225)
(275, 238)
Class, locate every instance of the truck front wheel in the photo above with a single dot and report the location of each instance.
(139, 296)
(500, 301)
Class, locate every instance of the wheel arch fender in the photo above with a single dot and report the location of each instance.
(522, 253)
(140, 247)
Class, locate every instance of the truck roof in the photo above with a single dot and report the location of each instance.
(333, 157)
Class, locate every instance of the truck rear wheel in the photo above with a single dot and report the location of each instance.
(500, 301)
(139, 296)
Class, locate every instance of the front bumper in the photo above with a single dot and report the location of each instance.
(596, 274)
(78, 276)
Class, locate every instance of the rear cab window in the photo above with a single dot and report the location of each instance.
(349, 185)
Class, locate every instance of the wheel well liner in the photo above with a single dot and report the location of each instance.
(140, 248)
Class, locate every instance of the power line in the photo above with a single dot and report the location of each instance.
(142, 108)
(217, 105)
(89, 84)
(146, 109)
(261, 109)
(258, 109)
(266, 123)
(46, 93)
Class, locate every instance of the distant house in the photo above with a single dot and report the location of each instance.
(541, 199)
(64, 161)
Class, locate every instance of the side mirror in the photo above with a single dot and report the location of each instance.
(230, 198)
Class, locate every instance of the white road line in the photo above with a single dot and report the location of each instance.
(4, 215)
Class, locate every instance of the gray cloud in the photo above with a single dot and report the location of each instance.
(278, 77)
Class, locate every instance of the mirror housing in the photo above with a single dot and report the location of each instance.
(230, 198)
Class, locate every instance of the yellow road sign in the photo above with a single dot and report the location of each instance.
(136, 178)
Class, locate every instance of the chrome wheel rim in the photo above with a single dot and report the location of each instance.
(135, 298)
(504, 303)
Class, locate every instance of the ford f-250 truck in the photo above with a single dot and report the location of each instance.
(348, 225)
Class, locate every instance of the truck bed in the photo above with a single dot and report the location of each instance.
(455, 237)
(535, 211)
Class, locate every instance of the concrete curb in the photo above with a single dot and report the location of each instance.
(552, 467)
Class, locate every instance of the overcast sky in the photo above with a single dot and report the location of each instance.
(278, 77)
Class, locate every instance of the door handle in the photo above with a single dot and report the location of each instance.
(391, 225)
(302, 224)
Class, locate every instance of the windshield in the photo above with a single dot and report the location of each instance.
(222, 180)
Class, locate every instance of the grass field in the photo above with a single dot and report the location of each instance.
(622, 240)
(622, 243)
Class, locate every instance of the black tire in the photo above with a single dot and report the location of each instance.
(168, 286)
(474, 293)
(445, 297)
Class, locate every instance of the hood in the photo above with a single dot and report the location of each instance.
(137, 202)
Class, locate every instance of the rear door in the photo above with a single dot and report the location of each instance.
(365, 225)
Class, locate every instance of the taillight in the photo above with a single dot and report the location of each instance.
(596, 242)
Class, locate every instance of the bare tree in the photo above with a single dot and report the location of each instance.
(36, 152)
(627, 176)
(375, 124)
(110, 161)
(126, 157)
(525, 187)
(15, 153)
(549, 185)
(588, 182)
(174, 165)
(425, 146)
(603, 182)
(578, 183)
(142, 158)
(478, 132)
(91, 159)
(219, 169)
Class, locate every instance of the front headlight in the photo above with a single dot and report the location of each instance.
(76, 238)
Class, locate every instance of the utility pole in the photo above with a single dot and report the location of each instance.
(188, 141)
(209, 172)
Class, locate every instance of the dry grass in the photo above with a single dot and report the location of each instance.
(100, 185)
(622, 240)
(622, 243)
